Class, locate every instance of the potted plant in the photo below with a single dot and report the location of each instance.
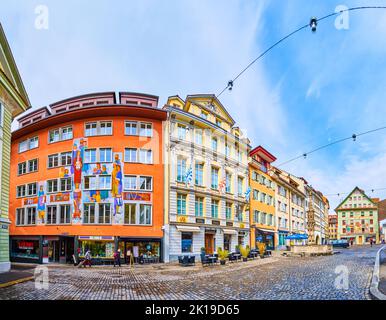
(261, 247)
(244, 253)
(237, 248)
(222, 254)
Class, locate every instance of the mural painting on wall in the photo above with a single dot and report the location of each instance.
(41, 203)
(77, 167)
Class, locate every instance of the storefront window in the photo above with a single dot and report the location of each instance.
(98, 249)
(186, 242)
(145, 248)
(25, 249)
(227, 241)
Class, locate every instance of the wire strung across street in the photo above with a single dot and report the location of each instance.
(353, 137)
(231, 82)
(366, 191)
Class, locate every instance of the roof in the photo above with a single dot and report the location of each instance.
(263, 153)
(361, 191)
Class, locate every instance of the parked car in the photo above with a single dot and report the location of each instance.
(340, 243)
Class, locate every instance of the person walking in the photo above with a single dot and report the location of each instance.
(87, 258)
(371, 242)
(117, 258)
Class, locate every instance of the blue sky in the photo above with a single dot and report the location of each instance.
(310, 90)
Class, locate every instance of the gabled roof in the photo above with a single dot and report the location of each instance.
(263, 153)
(10, 77)
(349, 195)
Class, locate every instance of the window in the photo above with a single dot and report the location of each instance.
(145, 183)
(65, 185)
(214, 144)
(20, 216)
(131, 128)
(181, 204)
(130, 213)
(181, 169)
(204, 115)
(31, 216)
(22, 168)
(199, 206)
(239, 213)
(144, 214)
(214, 175)
(198, 136)
(52, 215)
(106, 128)
(186, 242)
(146, 130)
(255, 194)
(101, 128)
(33, 165)
(31, 189)
(52, 186)
(218, 122)
(105, 155)
(104, 214)
(130, 183)
(256, 216)
(181, 131)
(65, 214)
(53, 161)
(28, 144)
(90, 156)
(214, 208)
(228, 211)
(227, 150)
(240, 186)
(199, 174)
(90, 183)
(228, 182)
(88, 213)
(65, 159)
(145, 156)
(60, 134)
(130, 155)
(20, 191)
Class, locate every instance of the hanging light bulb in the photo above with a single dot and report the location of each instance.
(313, 23)
(354, 137)
(230, 85)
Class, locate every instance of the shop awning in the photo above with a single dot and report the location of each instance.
(297, 237)
(188, 229)
(230, 231)
(265, 230)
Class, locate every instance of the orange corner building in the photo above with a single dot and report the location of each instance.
(87, 174)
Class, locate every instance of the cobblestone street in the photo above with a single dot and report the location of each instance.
(271, 278)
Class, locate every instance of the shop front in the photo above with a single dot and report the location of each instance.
(266, 236)
(142, 249)
(282, 241)
(26, 249)
(102, 248)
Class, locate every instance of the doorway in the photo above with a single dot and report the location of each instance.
(209, 243)
(53, 251)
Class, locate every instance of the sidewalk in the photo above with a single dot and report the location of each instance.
(382, 273)
(17, 274)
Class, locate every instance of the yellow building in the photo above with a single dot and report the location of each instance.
(262, 198)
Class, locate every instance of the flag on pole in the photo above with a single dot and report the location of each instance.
(247, 193)
(189, 176)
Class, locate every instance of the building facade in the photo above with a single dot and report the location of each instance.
(87, 174)
(358, 218)
(13, 101)
(317, 216)
(333, 227)
(262, 199)
(206, 178)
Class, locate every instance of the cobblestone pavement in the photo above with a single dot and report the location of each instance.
(271, 278)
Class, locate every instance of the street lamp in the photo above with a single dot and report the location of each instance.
(313, 23)
(230, 85)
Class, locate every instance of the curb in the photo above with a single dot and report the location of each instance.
(11, 283)
(374, 291)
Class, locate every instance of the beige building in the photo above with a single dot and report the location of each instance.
(206, 178)
(317, 216)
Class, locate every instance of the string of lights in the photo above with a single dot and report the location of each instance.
(312, 24)
(352, 137)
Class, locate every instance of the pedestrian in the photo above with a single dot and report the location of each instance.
(117, 258)
(128, 255)
(371, 242)
(87, 258)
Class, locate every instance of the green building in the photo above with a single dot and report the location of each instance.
(358, 218)
(13, 101)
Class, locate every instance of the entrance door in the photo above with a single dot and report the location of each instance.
(360, 240)
(53, 251)
(209, 243)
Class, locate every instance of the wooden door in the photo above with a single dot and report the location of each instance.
(209, 244)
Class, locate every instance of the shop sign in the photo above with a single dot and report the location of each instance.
(29, 201)
(25, 245)
(96, 238)
(182, 219)
(60, 197)
(136, 196)
(4, 226)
